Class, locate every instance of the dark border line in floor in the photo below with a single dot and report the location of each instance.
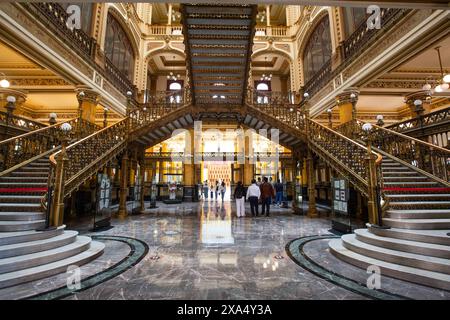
(139, 250)
(294, 250)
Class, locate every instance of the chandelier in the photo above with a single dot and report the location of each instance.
(172, 76)
(266, 77)
(441, 83)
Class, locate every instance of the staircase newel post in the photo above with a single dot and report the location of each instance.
(372, 203)
(57, 209)
(80, 97)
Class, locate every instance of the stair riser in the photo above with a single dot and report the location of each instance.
(405, 248)
(404, 178)
(31, 237)
(26, 226)
(428, 197)
(410, 184)
(29, 173)
(418, 215)
(394, 273)
(20, 265)
(50, 272)
(12, 199)
(415, 226)
(19, 217)
(410, 236)
(416, 205)
(399, 260)
(13, 208)
(36, 248)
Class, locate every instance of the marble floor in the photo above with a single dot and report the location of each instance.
(203, 251)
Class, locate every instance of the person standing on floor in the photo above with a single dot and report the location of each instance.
(222, 189)
(205, 189)
(273, 186)
(240, 200)
(216, 189)
(211, 190)
(253, 194)
(278, 193)
(259, 182)
(267, 193)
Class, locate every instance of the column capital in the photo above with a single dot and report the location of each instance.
(85, 93)
(349, 95)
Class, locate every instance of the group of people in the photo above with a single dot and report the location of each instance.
(214, 190)
(258, 192)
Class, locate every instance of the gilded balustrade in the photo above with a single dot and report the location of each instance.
(20, 122)
(20, 148)
(425, 156)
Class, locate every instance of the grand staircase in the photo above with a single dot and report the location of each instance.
(26, 253)
(414, 243)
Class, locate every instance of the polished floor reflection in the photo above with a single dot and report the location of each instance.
(203, 251)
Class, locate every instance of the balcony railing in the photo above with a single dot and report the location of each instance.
(218, 156)
(20, 122)
(118, 79)
(166, 30)
(280, 31)
(55, 17)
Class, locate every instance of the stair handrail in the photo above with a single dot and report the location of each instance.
(27, 125)
(432, 160)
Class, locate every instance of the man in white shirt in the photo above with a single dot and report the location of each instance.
(253, 194)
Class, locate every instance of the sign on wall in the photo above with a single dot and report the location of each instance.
(340, 195)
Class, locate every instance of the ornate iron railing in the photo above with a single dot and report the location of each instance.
(345, 155)
(18, 149)
(118, 79)
(55, 17)
(20, 122)
(438, 120)
(170, 97)
(219, 156)
(425, 156)
(319, 79)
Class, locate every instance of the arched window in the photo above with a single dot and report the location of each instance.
(175, 86)
(262, 91)
(318, 49)
(118, 49)
(262, 86)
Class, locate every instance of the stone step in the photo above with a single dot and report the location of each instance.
(19, 207)
(400, 173)
(428, 236)
(38, 169)
(418, 224)
(46, 270)
(29, 173)
(24, 179)
(39, 164)
(18, 249)
(44, 257)
(390, 164)
(418, 214)
(419, 205)
(26, 236)
(10, 226)
(407, 178)
(21, 216)
(416, 275)
(398, 257)
(396, 169)
(23, 184)
(417, 196)
(15, 198)
(423, 248)
(416, 184)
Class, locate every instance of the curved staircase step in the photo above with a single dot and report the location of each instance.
(24, 248)
(419, 205)
(8, 226)
(16, 207)
(16, 198)
(428, 236)
(21, 216)
(427, 249)
(416, 275)
(44, 257)
(46, 270)
(425, 224)
(419, 214)
(418, 261)
(418, 196)
(26, 236)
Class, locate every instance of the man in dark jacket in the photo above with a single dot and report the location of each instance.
(267, 193)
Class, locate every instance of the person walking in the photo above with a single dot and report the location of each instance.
(278, 193)
(205, 190)
(253, 194)
(273, 186)
(267, 193)
(216, 189)
(222, 189)
(240, 200)
(211, 190)
(259, 182)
